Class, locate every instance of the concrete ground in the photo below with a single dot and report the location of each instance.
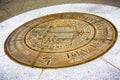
(103, 68)
(10, 8)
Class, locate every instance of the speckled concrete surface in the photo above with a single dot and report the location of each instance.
(106, 67)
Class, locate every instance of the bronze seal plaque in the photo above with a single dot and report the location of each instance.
(61, 40)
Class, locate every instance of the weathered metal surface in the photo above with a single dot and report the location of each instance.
(61, 40)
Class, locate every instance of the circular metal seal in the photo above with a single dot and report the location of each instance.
(61, 40)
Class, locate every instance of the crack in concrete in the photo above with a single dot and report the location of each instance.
(2, 55)
(41, 74)
(110, 64)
